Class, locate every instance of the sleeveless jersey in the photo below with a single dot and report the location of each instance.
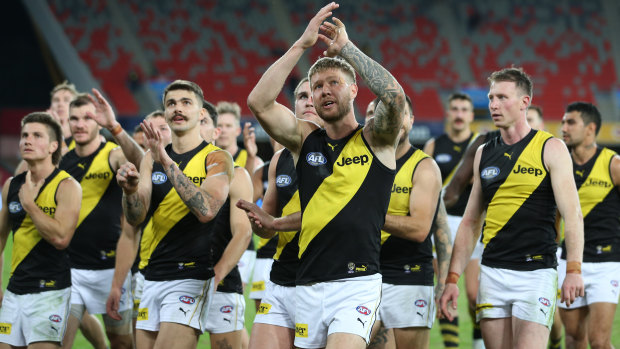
(36, 265)
(405, 262)
(179, 244)
(99, 226)
(448, 155)
(70, 142)
(600, 205)
(286, 261)
(266, 248)
(219, 240)
(519, 231)
(344, 192)
(240, 157)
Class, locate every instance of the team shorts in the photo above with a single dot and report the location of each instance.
(184, 302)
(91, 288)
(137, 284)
(453, 223)
(246, 264)
(527, 295)
(226, 313)
(346, 305)
(405, 306)
(601, 281)
(34, 317)
(277, 307)
(262, 269)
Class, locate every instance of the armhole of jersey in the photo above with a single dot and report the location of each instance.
(416, 165)
(58, 187)
(381, 165)
(542, 155)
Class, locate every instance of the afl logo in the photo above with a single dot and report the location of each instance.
(489, 172)
(544, 301)
(15, 207)
(159, 177)
(227, 309)
(187, 300)
(283, 180)
(420, 303)
(614, 283)
(363, 310)
(442, 158)
(55, 318)
(316, 159)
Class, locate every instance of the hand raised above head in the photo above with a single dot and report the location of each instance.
(335, 37)
(311, 34)
(153, 141)
(104, 114)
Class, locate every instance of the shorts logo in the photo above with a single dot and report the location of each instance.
(55, 318)
(363, 310)
(15, 207)
(544, 301)
(143, 314)
(301, 330)
(614, 283)
(187, 300)
(263, 308)
(316, 159)
(159, 177)
(5, 328)
(490, 172)
(442, 158)
(283, 180)
(420, 303)
(227, 309)
(258, 286)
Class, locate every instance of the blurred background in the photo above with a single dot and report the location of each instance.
(131, 49)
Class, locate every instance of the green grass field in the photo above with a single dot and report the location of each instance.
(465, 323)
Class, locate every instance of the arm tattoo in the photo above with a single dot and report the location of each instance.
(133, 208)
(382, 84)
(443, 245)
(198, 201)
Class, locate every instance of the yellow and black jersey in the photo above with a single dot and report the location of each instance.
(405, 262)
(600, 205)
(99, 226)
(70, 142)
(448, 155)
(266, 247)
(36, 265)
(286, 260)
(519, 231)
(219, 240)
(240, 157)
(344, 192)
(179, 244)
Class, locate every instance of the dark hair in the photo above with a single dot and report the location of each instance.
(80, 100)
(53, 129)
(186, 86)
(211, 110)
(461, 96)
(538, 109)
(516, 75)
(589, 113)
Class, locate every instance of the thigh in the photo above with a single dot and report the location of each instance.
(277, 307)
(600, 322)
(226, 340)
(345, 341)
(496, 333)
(11, 320)
(574, 320)
(173, 335)
(92, 287)
(119, 327)
(271, 336)
(412, 337)
(145, 339)
(528, 334)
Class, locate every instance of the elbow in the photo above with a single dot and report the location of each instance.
(254, 103)
(61, 243)
(206, 218)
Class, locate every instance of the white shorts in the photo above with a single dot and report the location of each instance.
(226, 313)
(277, 307)
(92, 287)
(601, 281)
(246, 264)
(527, 295)
(405, 306)
(183, 302)
(34, 317)
(346, 305)
(262, 269)
(453, 223)
(137, 284)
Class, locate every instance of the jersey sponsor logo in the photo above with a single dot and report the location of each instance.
(159, 177)
(354, 160)
(593, 182)
(227, 309)
(50, 211)
(258, 286)
(490, 172)
(544, 301)
(420, 303)
(107, 254)
(283, 180)
(196, 180)
(100, 175)
(400, 190)
(143, 314)
(353, 268)
(15, 207)
(263, 308)
(614, 283)
(600, 249)
(301, 330)
(316, 159)
(5, 328)
(443, 158)
(363, 310)
(47, 283)
(187, 300)
(408, 269)
(55, 318)
(528, 170)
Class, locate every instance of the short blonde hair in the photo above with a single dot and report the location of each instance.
(230, 108)
(326, 63)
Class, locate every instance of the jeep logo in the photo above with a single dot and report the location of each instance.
(354, 160)
(529, 170)
(283, 180)
(316, 159)
(102, 175)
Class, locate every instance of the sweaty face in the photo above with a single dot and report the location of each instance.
(160, 124)
(84, 129)
(331, 94)
(35, 142)
(182, 110)
(60, 103)
(304, 109)
(460, 114)
(573, 129)
(230, 129)
(506, 103)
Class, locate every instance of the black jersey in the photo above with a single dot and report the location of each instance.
(99, 226)
(600, 206)
(266, 248)
(219, 240)
(448, 155)
(36, 265)
(519, 229)
(405, 262)
(344, 192)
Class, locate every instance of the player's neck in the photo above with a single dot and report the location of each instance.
(40, 169)
(183, 142)
(341, 128)
(583, 152)
(515, 132)
(402, 149)
(458, 136)
(83, 150)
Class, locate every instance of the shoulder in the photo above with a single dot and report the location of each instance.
(219, 155)
(69, 185)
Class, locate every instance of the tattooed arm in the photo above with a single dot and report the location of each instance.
(137, 187)
(443, 247)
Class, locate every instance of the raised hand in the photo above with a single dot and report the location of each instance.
(311, 34)
(335, 37)
(249, 139)
(154, 141)
(128, 178)
(104, 115)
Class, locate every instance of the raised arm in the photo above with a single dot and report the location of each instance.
(137, 188)
(277, 120)
(463, 174)
(425, 190)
